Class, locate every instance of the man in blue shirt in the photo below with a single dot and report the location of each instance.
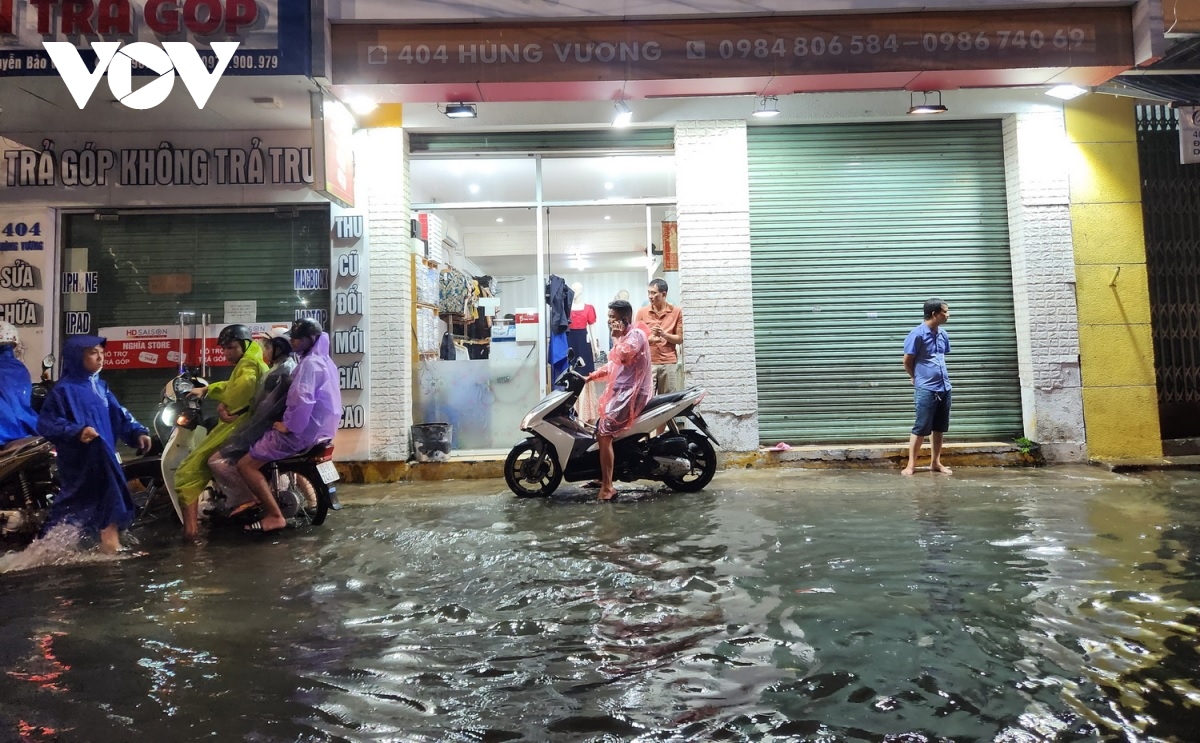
(925, 351)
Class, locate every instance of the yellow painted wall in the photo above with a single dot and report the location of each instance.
(1120, 401)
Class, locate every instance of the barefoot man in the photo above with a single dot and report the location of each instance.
(925, 352)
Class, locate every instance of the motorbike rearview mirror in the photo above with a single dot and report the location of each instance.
(48, 362)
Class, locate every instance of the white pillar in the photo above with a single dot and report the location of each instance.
(382, 171)
(1043, 267)
(713, 194)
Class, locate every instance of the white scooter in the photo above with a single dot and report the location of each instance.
(562, 447)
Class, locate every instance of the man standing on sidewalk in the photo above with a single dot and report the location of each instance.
(925, 352)
(666, 333)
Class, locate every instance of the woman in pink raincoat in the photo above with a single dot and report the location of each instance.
(630, 386)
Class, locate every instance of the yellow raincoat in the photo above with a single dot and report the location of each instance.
(193, 474)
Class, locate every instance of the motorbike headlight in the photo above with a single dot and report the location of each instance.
(527, 421)
(168, 416)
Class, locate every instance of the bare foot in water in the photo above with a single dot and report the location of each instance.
(907, 470)
(607, 494)
(110, 542)
(941, 469)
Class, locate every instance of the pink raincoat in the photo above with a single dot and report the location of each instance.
(630, 383)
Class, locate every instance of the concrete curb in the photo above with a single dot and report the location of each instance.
(850, 456)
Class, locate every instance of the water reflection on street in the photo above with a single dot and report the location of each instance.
(1008, 605)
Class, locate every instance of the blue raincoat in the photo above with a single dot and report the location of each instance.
(94, 493)
(17, 419)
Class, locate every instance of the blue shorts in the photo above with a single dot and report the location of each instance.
(933, 411)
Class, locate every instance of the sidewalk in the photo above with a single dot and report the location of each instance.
(849, 456)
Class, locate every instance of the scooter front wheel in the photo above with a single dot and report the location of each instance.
(531, 469)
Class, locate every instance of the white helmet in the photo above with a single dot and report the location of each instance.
(9, 337)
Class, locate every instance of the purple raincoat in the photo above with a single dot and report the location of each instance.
(314, 407)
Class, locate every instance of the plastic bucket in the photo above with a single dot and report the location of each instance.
(431, 441)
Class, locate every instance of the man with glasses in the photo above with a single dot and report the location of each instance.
(925, 352)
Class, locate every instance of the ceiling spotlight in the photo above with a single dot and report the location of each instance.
(768, 106)
(925, 106)
(1066, 92)
(460, 110)
(624, 114)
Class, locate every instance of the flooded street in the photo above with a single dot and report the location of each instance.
(1009, 605)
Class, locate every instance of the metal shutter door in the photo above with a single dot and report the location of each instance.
(230, 256)
(852, 228)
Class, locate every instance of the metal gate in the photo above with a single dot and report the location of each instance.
(1171, 210)
(852, 228)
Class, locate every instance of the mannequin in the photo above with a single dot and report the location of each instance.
(579, 333)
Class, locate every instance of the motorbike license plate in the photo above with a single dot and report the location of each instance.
(327, 472)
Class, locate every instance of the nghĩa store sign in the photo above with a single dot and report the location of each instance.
(164, 165)
(732, 47)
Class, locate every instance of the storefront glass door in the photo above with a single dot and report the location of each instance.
(509, 224)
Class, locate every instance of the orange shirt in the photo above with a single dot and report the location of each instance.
(671, 320)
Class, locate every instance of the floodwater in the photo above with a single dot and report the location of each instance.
(995, 605)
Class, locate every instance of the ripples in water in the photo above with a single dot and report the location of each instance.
(1025, 606)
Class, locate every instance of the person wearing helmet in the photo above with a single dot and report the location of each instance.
(17, 419)
(265, 409)
(83, 419)
(234, 398)
(312, 413)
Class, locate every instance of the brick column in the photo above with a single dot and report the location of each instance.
(1039, 218)
(713, 191)
(382, 173)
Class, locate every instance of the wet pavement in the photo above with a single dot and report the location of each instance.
(783, 604)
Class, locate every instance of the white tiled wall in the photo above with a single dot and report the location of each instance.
(1043, 267)
(712, 185)
(382, 170)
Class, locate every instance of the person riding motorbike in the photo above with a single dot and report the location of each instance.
(234, 397)
(265, 409)
(83, 419)
(312, 414)
(17, 419)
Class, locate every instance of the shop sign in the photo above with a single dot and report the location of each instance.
(1189, 135)
(80, 282)
(78, 323)
(761, 46)
(164, 165)
(158, 346)
(26, 289)
(348, 329)
(310, 279)
(268, 39)
(333, 135)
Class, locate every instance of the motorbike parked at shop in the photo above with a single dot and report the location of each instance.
(562, 447)
(28, 477)
(302, 484)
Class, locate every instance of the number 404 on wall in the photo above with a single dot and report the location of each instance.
(20, 229)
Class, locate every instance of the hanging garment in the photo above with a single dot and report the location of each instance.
(559, 297)
(579, 342)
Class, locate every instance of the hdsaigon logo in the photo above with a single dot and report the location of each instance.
(173, 57)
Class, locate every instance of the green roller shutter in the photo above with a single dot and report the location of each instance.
(229, 256)
(852, 228)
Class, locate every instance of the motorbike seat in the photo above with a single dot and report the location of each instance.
(315, 450)
(23, 446)
(659, 401)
